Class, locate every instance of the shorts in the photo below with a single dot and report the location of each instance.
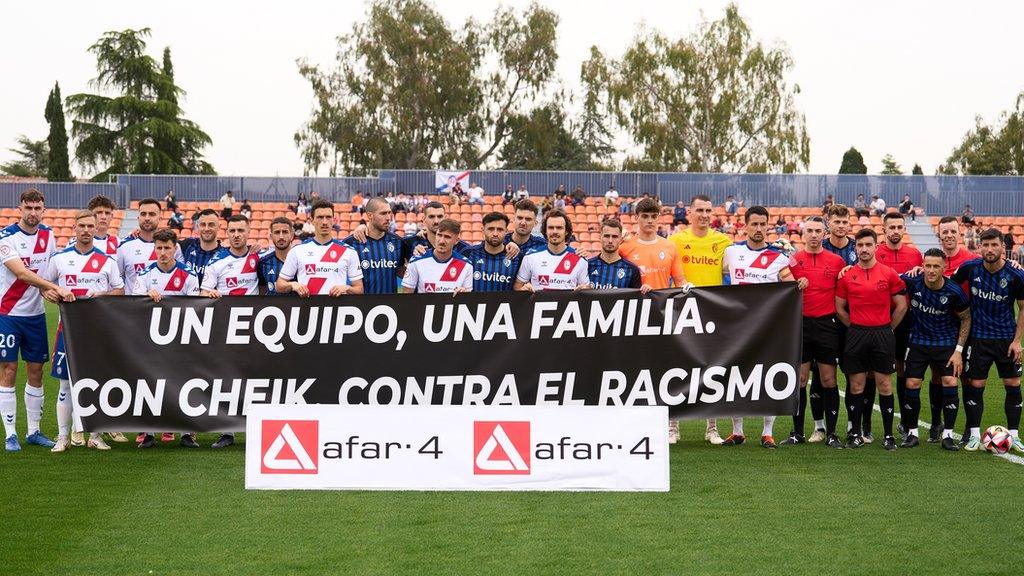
(869, 350)
(26, 334)
(821, 340)
(59, 367)
(918, 358)
(902, 335)
(980, 354)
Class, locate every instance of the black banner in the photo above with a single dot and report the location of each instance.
(195, 364)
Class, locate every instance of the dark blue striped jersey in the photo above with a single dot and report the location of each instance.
(933, 313)
(267, 271)
(492, 272)
(992, 298)
(619, 274)
(533, 242)
(380, 260)
(409, 243)
(848, 254)
(195, 257)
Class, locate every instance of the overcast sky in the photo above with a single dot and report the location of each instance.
(904, 77)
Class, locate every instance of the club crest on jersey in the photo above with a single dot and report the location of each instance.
(175, 282)
(391, 247)
(661, 255)
(943, 300)
(621, 274)
(882, 285)
(452, 272)
(507, 262)
(1002, 282)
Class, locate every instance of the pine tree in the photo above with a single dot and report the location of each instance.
(853, 163)
(58, 167)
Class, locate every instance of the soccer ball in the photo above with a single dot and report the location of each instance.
(997, 440)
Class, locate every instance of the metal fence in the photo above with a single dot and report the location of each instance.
(253, 188)
(62, 194)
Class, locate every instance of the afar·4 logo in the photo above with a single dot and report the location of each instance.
(290, 447)
(501, 448)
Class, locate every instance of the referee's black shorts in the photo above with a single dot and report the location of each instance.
(919, 358)
(869, 349)
(981, 354)
(821, 341)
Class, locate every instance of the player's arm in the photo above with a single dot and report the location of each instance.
(209, 286)
(410, 280)
(842, 312)
(467, 281)
(522, 283)
(1015, 348)
(355, 288)
(21, 272)
(113, 292)
(678, 276)
(286, 277)
(899, 309)
(956, 359)
(786, 275)
(583, 275)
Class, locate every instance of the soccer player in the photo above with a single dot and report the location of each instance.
(940, 323)
(136, 253)
(658, 258)
(25, 249)
(875, 295)
(380, 252)
(493, 270)
(609, 270)
(197, 252)
(103, 207)
(555, 266)
(995, 334)
(321, 265)
(755, 262)
(440, 269)
(166, 277)
(701, 250)
(87, 272)
(901, 258)
(525, 221)
(820, 269)
(282, 234)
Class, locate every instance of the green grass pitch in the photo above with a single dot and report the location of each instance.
(746, 510)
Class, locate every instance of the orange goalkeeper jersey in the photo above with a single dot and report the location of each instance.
(657, 259)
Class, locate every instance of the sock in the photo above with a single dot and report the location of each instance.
(801, 412)
(936, 400)
(9, 410)
(33, 407)
(820, 424)
(901, 395)
(950, 407)
(831, 401)
(974, 406)
(854, 406)
(1012, 405)
(712, 425)
(815, 392)
(974, 432)
(64, 408)
(737, 426)
(869, 403)
(769, 424)
(849, 412)
(887, 404)
(910, 410)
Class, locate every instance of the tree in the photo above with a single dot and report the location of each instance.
(33, 159)
(991, 149)
(890, 166)
(126, 132)
(917, 170)
(543, 140)
(411, 90)
(58, 165)
(853, 162)
(592, 131)
(715, 101)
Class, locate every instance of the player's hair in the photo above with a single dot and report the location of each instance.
(208, 212)
(866, 233)
(759, 210)
(494, 217)
(526, 205)
(320, 204)
(32, 195)
(556, 213)
(433, 204)
(101, 201)
(990, 234)
(948, 219)
(612, 223)
(701, 197)
(838, 210)
(282, 220)
(935, 252)
(450, 225)
(145, 201)
(374, 203)
(238, 218)
(165, 235)
(647, 206)
(84, 214)
(817, 219)
(892, 216)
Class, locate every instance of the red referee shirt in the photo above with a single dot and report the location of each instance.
(868, 293)
(953, 262)
(902, 259)
(821, 270)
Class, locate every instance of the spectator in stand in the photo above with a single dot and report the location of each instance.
(475, 194)
(307, 231)
(457, 195)
(546, 205)
(780, 225)
(829, 201)
(1008, 243)
(227, 203)
(907, 208)
(967, 216)
(728, 227)
(170, 201)
(860, 206)
(559, 202)
(731, 205)
(560, 191)
(716, 223)
(971, 237)
(661, 232)
(579, 197)
(793, 227)
(508, 196)
(246, 210)
(877, 206)
(863, 220)
(679, 215)
(410, 228)
(522, 193)
(611, 197)
(357, 201)
(177, 220)
(401, 203)
(625, 205)
(302, 205)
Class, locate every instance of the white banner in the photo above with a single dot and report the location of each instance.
(456, 447)
(444, 180)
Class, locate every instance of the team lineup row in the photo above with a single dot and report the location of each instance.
(854, 305)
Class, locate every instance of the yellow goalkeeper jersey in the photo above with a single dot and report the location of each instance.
(701, 255)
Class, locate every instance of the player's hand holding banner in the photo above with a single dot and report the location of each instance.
(198, 364)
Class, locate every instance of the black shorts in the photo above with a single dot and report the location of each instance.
(821, 341)
(902, 335)
(919, 358)
(981, 354)
(869, 350)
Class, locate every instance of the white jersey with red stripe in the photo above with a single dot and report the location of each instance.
(135, 255)
(92, 272)
(179, 281)
(749, 266)
(16, 297)
(321, 267)
(426, 274)
(107, 244)
(548, 271)
(232, 275)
